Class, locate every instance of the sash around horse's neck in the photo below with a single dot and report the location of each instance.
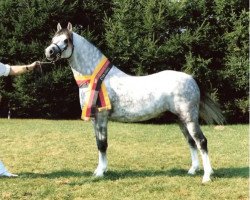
(100, 72)
(97, 95)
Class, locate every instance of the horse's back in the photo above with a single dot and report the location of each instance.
(165, 82)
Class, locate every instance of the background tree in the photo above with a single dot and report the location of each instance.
(205, 38)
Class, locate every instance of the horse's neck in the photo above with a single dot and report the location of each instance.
(86, 57)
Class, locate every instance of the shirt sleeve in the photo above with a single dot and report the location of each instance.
(4, 69)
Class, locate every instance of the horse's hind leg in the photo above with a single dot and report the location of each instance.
(100, 123)
(201, 142)
(193, 149)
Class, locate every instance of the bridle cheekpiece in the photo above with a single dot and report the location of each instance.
(60, 51)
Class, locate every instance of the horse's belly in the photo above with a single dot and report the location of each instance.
(126, 115)
(134, 108)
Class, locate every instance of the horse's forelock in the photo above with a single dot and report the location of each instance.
(66, 32)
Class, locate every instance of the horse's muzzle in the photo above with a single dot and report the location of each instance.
(52, 53)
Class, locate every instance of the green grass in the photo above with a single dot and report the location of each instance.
(56, 159)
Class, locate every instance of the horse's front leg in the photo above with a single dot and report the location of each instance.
(100, 123)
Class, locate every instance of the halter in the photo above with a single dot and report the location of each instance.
(59, 54)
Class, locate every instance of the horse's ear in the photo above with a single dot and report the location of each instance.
(69, 27)
(59, 27)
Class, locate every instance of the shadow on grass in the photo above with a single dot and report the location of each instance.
(114, 175)
(56, 174)
(241, 172)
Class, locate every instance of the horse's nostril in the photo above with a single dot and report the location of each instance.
(51, 51)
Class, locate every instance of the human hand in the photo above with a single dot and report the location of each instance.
(33, 65)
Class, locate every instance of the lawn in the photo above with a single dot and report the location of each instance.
(56, 159)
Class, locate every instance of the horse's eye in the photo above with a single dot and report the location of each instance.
(66, 41)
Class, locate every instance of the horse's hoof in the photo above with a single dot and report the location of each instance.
(99, 172)
(98, 175)
(207, 176)
(192, 170)
(206, 179)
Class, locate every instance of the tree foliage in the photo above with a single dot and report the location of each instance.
(205, 38)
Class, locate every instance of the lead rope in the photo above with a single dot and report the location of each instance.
(45, 63)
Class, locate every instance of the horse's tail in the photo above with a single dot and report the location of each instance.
(210, 111)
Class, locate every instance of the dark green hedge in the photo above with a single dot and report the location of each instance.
(206, 38)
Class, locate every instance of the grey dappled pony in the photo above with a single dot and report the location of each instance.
(135, 99)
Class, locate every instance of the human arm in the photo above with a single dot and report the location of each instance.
(20, 69)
